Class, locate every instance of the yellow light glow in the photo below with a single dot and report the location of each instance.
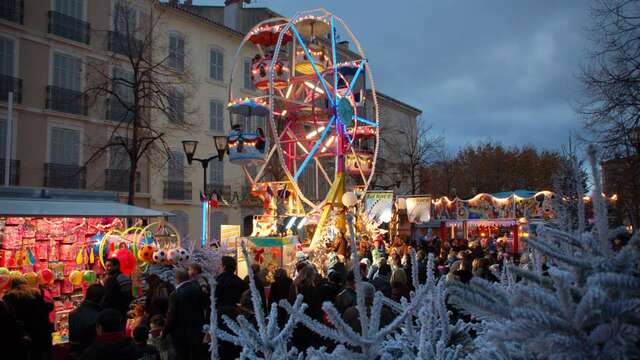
(288, 93)
(329, 142)
(311, 86)
(314, 132)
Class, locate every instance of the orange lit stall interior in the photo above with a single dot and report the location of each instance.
(58, 240)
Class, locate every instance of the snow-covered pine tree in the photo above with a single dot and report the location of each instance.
(265, 340)
(588, 307)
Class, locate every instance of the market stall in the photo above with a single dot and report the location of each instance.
(59, 240)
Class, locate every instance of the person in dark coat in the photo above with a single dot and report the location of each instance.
(185, 317)
(117, 288)
(381, 279)
(259, 283)
(157, 298)
(347, 297)
(13, 339)
(110, 342)
(340, 246)
(281, 286)
(330, 289)
(82, 320)
(32, 311)
(230, 287)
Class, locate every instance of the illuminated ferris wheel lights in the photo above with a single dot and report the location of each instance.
(289, 89)
(311, 86)
(329, 142)
(314, 132)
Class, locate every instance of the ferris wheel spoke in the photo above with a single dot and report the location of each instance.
(313, 64)
(366, 121)
(364, 179)
(315, 148)
(319, 163)
(355, 77)
(266, 163)
(333, 49)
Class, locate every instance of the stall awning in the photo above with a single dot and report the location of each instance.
(35, 202)
(70, 208)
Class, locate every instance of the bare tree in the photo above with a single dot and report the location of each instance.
(611, 107)
(145, 81)
(410, 147)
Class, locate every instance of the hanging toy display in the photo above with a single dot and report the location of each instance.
(160, 244)
(89, 277)
(75, 277)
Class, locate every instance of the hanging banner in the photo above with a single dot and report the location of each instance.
(419, 209)
(378, 206)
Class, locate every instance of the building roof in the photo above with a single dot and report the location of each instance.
(396, 101)
(188, 11)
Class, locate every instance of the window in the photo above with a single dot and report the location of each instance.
(248, 83)
(176, 166)
(3, 140)
(176, 51)
(124, 19)
(217, 219)
(251, 123)
(175, 107)
(216, 64)
(73, 8)
(67, 71)
(216, 117)
(216, 172)
(123, 84)
(181, 222)
(7, 48)
(118, 156)
(65, 146)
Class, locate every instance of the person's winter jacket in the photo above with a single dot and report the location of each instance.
(82, 325)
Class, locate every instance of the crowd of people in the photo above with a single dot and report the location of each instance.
(168, 321)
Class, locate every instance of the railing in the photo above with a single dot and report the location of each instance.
(124, 44)
(12, 10)
(177, 190)
(116, 111)
(223, 191)
(14, 172)
(65, 176)
(69, 27)
(66, 100)
(118, 180)
(10, 84)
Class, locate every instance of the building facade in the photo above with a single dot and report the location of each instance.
(48, 52)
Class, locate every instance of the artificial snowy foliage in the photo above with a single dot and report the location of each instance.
(587, 307)
(265, 340)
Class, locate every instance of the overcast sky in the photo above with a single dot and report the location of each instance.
(502, 70)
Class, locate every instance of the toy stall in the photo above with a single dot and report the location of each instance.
(59, 240)
(270, 252)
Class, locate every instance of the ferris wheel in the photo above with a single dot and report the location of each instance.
(323, 124)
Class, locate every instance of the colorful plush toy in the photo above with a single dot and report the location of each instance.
(173, 256)
(159, 256)
(146, 253)
(184, 254)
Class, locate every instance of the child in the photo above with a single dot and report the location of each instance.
(164, 346)
(143, 350)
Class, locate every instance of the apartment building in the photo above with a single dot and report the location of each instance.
(47, 49)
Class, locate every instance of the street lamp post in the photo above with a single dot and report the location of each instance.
(189, 147)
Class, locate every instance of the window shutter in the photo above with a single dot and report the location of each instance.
(216, 172)
(176, 166)
(3, 138)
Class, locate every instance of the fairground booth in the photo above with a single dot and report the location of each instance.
(59, 240)
(507, 216)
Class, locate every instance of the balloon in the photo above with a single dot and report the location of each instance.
(75, 277)
(173, 256)
(16, 274)
(46, 276)
(146, 253)
(159, 256)
(5, 281)
(31, 278)
(89, 277)
(4, 271)
(127, 260)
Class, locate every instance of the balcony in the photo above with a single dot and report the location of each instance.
(124, 44)
(66, 100)
(68, 27)
(8, 84)
(65, 176)
(177, 190)
(14, 172)
(12, 10)
(116, 111)
(118, 180)
(223, 191)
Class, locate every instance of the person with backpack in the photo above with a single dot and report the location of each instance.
(117, 288)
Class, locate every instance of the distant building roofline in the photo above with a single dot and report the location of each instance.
(394, 100)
